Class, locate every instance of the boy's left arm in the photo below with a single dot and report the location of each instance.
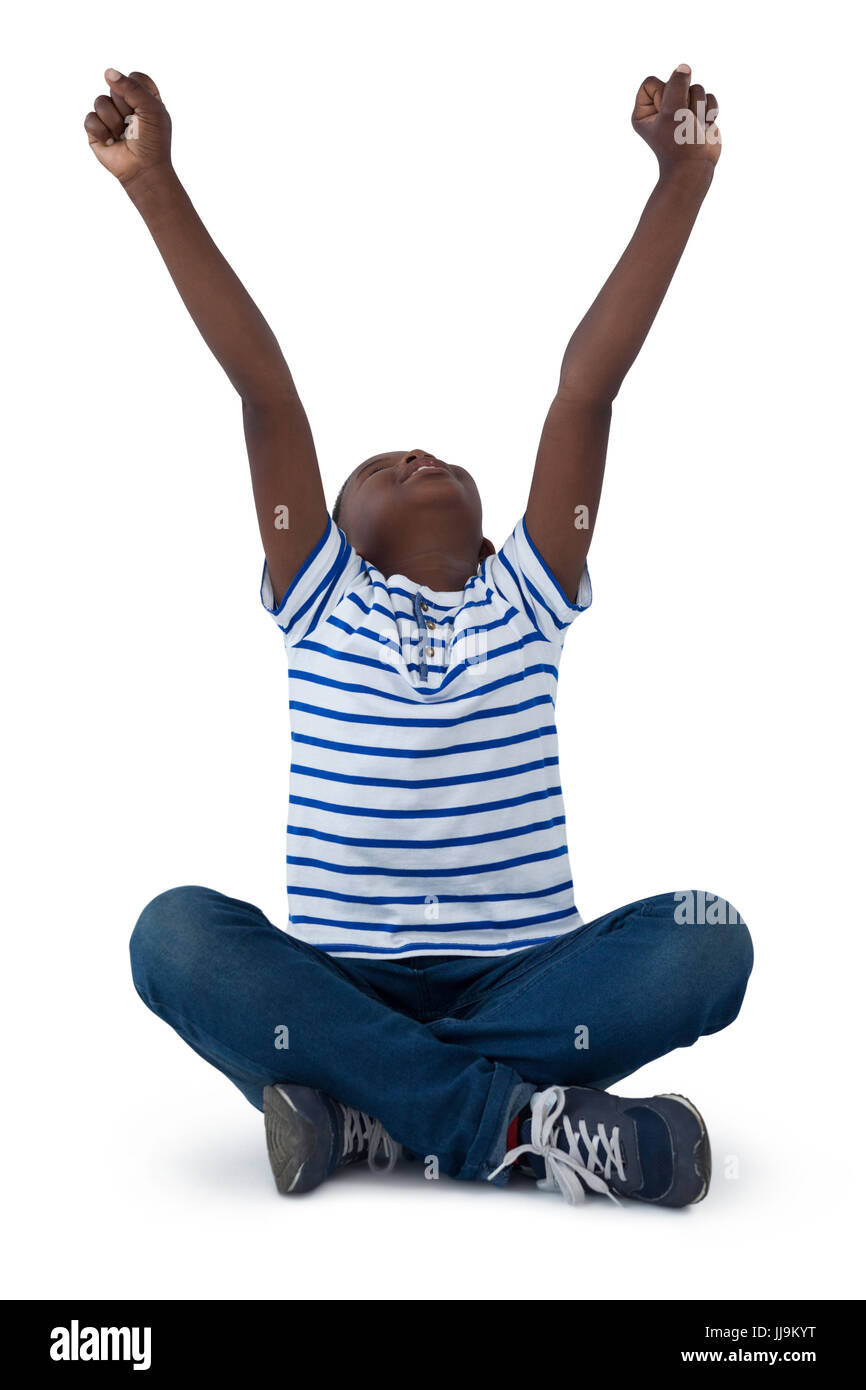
(570, 463)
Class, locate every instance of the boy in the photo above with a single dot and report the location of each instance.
(439, 988)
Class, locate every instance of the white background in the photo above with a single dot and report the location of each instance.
(423, 200)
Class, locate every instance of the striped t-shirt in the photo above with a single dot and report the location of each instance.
(425, 810)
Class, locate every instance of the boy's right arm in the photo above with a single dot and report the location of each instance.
(130, 134)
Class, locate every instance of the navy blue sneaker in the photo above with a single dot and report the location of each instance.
(579, 1139)
(309, 1135)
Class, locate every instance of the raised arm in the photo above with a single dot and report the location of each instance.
(566, 484)
(130, 134)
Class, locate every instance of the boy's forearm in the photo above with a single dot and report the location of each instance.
(225, 315)
(609, 337)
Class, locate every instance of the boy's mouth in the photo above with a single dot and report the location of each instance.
(423, 465)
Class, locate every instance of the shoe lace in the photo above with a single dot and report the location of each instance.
(568, 1169)
(360, 1132)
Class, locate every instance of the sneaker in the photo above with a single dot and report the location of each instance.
(309, 1135)
(579, 1139)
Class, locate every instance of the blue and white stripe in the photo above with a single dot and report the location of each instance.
(425, 808)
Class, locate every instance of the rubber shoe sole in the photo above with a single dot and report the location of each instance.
(299, 1138)
(692, 1187)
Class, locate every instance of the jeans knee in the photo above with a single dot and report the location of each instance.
(729, 955)
(742, 953)
(738, 952)
(704, 956)
(164, 939)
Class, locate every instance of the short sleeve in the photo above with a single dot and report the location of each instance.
(316, 587)
(520, 573)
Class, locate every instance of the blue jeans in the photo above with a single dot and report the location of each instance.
(443, 1051)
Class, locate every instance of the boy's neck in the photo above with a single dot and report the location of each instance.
(437, 570)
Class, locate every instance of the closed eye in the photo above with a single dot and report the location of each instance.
(373, 468)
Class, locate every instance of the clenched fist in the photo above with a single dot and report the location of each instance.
(130, 131)
(678, 121)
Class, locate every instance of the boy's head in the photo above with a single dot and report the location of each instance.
(410, 513)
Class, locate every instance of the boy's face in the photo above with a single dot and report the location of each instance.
(398, 506)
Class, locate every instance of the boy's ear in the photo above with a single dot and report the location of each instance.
(487, 548)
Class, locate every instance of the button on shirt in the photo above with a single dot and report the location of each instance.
(425, 807)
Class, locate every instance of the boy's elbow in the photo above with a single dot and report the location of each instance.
(587, 385)
(591, 395)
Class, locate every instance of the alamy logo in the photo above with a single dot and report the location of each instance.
(704, 910)
(76, 1343)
